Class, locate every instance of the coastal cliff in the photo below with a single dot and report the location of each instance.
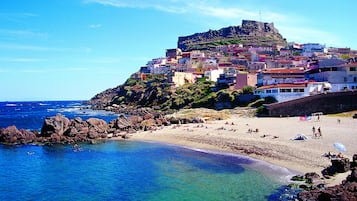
(157, 95)
(250, 33)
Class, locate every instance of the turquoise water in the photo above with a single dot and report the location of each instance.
(124, 170)
(133, 171)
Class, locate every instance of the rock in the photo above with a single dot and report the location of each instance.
(312, 178)
(77, 127)
(347, 190)
(174, 120)
(353, 176)
(341, 164)
(135, 120)
(148, 116)
(121, 123)
(163, 120)
(149, 124)
(12, 135)
(354, 160)
(97, 128)
(298, 178)
(249, 33)
(197, 120)
(55, 125)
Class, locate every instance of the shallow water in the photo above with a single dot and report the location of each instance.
(132, 171)
(124, 170)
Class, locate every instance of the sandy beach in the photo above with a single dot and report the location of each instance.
(272, 143)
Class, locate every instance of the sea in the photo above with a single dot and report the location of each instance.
(126, 170)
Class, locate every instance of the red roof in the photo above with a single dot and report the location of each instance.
(285, 61)
(283, 70)
(284, 85)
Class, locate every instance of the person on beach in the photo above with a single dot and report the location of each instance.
(319, 132)
(313, 131)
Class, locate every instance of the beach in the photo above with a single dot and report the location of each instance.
(267, 139)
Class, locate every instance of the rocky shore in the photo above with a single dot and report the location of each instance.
(315, 189)
(61, 130)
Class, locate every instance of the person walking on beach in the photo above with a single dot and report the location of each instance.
(313, 131)
(319, 132)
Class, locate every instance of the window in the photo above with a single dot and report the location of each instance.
(285, 90)
(354, 79)
(353, 69)
(298, 90)
(268, 91)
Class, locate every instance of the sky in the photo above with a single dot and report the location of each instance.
(74, 49)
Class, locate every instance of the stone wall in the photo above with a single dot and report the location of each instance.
(329, 103)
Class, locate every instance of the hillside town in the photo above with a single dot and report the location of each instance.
(283, 72)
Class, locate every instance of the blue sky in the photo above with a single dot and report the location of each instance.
(73, 49)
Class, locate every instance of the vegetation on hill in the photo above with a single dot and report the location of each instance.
(156, 93)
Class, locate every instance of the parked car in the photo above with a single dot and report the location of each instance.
(354, 116)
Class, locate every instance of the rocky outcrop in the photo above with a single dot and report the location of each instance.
(55, 125)
(347, 190)
(341, 165)
(60, 129)
(250, 33)
(97, 128)
(12, 135)
(77, 128)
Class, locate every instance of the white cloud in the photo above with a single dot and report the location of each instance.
(95, 26)
(215, 13)
(165, 6)
(203, 8)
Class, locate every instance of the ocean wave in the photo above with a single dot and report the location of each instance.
(11, 105)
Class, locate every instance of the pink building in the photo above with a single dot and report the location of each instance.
(244, 79)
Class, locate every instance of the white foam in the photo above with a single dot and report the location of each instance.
(10, 105)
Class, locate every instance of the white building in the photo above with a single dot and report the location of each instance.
(213, 75)
(156, 63)
(309, 49)
(290, 91)
(342, 76)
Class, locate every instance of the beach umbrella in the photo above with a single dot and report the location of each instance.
(339, 146)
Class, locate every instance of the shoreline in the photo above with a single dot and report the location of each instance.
(272, 143)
